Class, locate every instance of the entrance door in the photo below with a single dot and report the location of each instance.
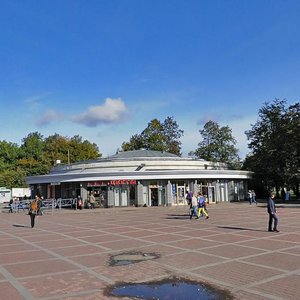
(117, 197)
(180, 194)
(154, 196)
(211, 194)
(124, 197)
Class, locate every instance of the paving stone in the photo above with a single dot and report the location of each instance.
(68, 253)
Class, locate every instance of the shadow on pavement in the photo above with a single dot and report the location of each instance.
(17, 225)
(240, 228)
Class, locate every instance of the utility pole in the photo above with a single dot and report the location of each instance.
(68, 156)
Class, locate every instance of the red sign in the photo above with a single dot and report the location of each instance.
(122, 181)
(111, 182)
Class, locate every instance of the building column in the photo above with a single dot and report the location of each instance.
(83, 192)
(140, 194)
(110, 198)
(169, 194)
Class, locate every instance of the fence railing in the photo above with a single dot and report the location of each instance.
(49, 204)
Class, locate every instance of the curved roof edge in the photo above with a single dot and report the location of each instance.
(142, 153)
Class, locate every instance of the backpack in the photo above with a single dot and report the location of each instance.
(33, 206)
(189, 198)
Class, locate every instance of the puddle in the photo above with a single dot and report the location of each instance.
(131, 258)
(171, 289)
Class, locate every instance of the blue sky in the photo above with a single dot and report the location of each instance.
(104, 69)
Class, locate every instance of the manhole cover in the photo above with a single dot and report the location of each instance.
(131, 258)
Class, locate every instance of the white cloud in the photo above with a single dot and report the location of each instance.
(48, 117)
(112, 111)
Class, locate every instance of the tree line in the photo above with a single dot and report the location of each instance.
(274, 143)
(37, 155)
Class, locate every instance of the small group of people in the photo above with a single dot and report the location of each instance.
(252, 197)
(15, 205)
(197, 205)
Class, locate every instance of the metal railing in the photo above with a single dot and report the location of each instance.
(49, 204)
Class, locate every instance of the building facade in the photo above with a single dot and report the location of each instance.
(142, 178)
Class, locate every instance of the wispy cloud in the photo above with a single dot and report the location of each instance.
(48, 117)
(34, 101)
(112, 111)
(219, 118)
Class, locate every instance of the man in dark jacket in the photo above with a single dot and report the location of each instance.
(272, 214)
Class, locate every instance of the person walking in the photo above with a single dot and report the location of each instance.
(92, 200)
(79, 202)
(250, 196)
(40, 204)
(201, 206)
(33, 210)
(11, 205)
(272, 214)
(253, 197)
(194, 207)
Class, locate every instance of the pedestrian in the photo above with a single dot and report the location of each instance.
(40, 204)
(92, 201)
(33, 210)
(79, 202)
(11, 204)
(201, 206)
(272, 214)
(250, 197)
(188, 197)
(253, 197)
(194, 207)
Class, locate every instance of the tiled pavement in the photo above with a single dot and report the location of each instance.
(67, 255)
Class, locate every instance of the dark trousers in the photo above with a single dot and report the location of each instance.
(271, 218)
(32, 219)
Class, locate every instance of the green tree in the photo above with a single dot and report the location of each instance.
(274, 144)
(10, 174)
(69, 150)
(32, 155)
(218, 145)
(135, 143)
(172, 135)
(11, 177)
(82, 150)
(37, 155)
(9, 153)
(157, 136)
(56, 148)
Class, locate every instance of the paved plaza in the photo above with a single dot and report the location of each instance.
(67, 255)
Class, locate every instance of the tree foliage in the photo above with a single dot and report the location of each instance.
(217, 145)
(159, 136)
(37, 155)
(275, 145)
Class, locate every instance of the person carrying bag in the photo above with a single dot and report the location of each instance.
(33, 210)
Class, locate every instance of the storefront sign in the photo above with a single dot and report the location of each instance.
(111, 182)
(97, 183)
(122, 181)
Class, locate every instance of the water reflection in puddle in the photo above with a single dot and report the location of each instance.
(178, 290)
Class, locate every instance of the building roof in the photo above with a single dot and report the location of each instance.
(141, 153)
(139, 165)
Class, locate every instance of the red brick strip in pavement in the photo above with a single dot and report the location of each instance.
(67, 255)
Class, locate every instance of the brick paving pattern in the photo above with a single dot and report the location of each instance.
(67, 255)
